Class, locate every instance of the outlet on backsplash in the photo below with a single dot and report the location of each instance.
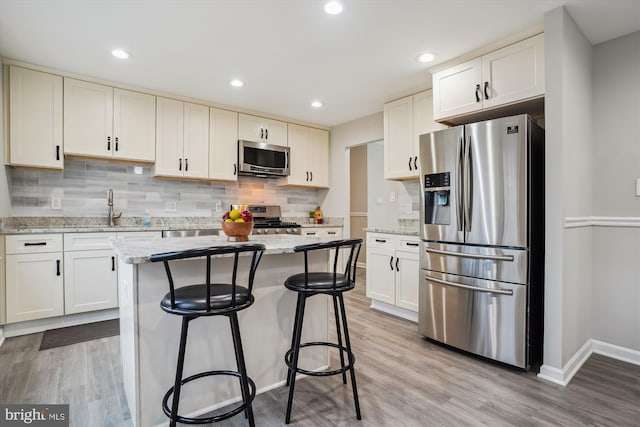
(170, 206)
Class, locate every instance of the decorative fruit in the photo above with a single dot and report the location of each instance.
(228, 220)
(239, 220)
(247, 216)
(226, 215)
(234, 214)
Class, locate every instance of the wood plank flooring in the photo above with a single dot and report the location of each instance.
(403, 380)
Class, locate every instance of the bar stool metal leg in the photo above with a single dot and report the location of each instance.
(339, 333)
(179, 368)
(296, 351)
(348, 345)
(293, 337)
(244, 382)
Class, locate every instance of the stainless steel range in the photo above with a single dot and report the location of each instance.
(267, 220)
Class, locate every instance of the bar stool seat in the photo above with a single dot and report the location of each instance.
(210, 299)
(334, 284)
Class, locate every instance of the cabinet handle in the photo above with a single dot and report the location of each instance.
(486, 87)
(57, 267)
(415, 163)
(266, 134)
(307, 176)
(235, 169)
(108, 143)
(410, 163)
(261, 133)
(36, 244)
(311, 174)
(391, 263)
(331, 232)
(57, 152)
(477, 90)
(113, 263)
(311, 233)
(397, 259)
(116, 143)
(412, 244)
(186, 165)
(381, 241)
(179, 164)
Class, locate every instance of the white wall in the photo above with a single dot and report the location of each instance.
(568, 121)
(616, 146)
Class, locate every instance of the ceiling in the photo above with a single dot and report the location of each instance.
(289, 52)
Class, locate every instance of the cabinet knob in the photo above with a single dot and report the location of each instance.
(266, 134)
(108, 143)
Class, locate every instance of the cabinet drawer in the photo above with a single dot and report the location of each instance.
(409, 245)
(33, 243)
(87, 241)
(381, 240)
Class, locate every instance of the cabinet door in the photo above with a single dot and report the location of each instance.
(299, 143)
(454, 90)
(407, 279)
(88, 119)
(423, 121)
(35, 119)
(169, 137)
(398, 139)
(223, 145)
(275, 132)
(196, 141)
(514, 73)
(381, 274)
(90, 281)
(318, 157)
(34, 286)
(250, 128)
(134, 126)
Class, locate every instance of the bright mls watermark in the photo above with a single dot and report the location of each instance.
(36, 415)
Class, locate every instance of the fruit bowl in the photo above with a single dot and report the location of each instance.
(237, 231)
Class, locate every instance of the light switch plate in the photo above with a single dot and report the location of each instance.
(392, 196)
(56, 203)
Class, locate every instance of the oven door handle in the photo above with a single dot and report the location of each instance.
(469, 287)
(475, 256)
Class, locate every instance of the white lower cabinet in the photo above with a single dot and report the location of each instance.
(393, 271)
(91, 277)
(327, 233)
(34, 277)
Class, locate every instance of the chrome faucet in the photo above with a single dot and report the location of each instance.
(112, 215)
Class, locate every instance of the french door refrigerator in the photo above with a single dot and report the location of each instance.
(482, 231)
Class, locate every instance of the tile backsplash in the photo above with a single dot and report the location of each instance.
(83, 184)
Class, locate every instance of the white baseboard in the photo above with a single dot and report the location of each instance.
(1, 336)
(41, 325)
(563, 376)
(616, 352)
(394, 310)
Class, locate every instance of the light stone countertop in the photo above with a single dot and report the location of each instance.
(406, 231)
(138, 251)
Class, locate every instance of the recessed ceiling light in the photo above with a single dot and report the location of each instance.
(333, 7)
(119, 53)
(317, 104)
(426, 57)
(236, 83)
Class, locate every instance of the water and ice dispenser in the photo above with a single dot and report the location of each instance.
(437, 198)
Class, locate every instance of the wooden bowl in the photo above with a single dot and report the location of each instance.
(237, 231)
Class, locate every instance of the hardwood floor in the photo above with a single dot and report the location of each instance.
(403, 380)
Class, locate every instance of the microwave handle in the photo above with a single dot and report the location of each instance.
(286, 159)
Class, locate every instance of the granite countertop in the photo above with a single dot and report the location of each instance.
(138, 251)
(407, 231)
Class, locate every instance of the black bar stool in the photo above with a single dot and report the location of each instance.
(332, 283)
(210, 299)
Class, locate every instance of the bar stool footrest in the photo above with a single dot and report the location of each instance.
(216, 418)
(289, 354)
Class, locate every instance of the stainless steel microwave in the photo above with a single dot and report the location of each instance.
(262, 159)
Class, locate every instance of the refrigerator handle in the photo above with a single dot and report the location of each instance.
(468, 185)
(471, 288)
(475, 256)
(459, 184)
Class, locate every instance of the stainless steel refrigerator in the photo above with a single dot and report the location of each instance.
(482, 231)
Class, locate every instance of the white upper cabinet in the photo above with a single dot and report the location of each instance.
(404, 121)
(182, 145)
(260, 129)
(309, 157)
(223, 145)
(506, 76)
(35, 119)
(100, 121)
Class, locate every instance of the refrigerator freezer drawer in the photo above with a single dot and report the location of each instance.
(483, 317)
(503, 265)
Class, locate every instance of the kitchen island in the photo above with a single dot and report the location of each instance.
(149, 337)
